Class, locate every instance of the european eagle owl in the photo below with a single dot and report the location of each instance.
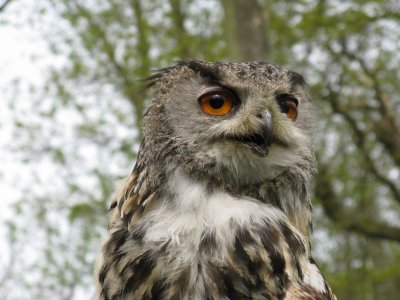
(218, 203)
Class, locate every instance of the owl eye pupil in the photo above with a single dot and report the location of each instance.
(284, 107)
(288, 105)
(216, 101)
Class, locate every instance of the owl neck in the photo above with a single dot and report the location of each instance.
(289, 191)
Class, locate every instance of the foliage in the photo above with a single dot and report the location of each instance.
(84, 122)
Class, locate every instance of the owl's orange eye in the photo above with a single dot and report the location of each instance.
(217, 103)
(288, 105)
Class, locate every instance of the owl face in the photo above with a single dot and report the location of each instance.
(249, 119)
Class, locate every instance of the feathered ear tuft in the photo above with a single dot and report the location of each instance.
(152, 80)
(196, 65)
(297, 79)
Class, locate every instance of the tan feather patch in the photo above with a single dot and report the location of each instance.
(133, 200)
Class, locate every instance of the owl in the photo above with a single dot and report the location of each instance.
(218, 203)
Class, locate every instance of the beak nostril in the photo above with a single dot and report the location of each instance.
(264, 115)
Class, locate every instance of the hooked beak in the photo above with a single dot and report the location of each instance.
(260, 140)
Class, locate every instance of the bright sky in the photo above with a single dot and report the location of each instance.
(24, 57)
(24, 60)
(19, 45)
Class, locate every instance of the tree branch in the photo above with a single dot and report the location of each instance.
(333, 99)
(4, 5)
(107, 45)
(349, 220)
(129, 85)
(182, 38)
(143, 48)
(386, 127)
(142, 45)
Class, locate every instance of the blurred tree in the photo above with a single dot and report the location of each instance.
(348, 51)
(4, 4)
(245, 30)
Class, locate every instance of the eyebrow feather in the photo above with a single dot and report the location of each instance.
(208, 73)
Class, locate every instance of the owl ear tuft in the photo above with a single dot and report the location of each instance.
(152, 80)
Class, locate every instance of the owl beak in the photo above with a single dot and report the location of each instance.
(265, 134)
(267, 126)
(260, 140)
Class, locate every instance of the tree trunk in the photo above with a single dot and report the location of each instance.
(181, 36)
(245, 30)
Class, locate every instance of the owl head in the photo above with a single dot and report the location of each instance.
(236, 123)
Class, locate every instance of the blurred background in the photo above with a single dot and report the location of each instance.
(71, 104)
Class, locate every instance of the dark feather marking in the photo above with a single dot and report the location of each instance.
(210, 74)
(198, 67)
(295, 244)
(112, 206)
(299, 269)
(105, 268)
(272, 196)
(127, 217)
(312, 260)
(121, 202)
(104, 291)
(117, 297)
(103, 273)
(143, 197)
(303, 193)
(309, 293)
(139, 271)
(117, 239)
(158, 290)
(207, 241)
(278, 267)
(296, 79)
(138, 233)
(230, 290)
(243, 237)
(269, 238)
(215, 276)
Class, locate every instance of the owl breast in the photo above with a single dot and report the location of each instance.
(205, 244)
